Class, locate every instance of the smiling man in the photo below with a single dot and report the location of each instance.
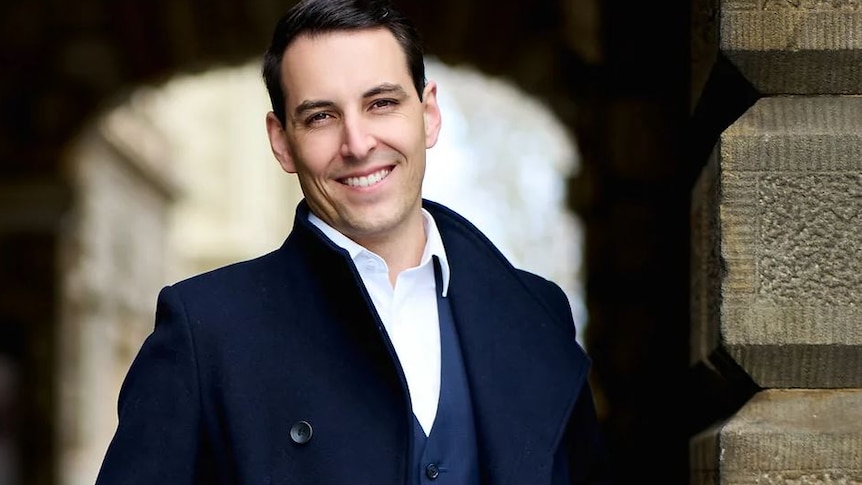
(387, 341)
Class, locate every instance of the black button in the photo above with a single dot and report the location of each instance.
(301, 433)
(432, 471)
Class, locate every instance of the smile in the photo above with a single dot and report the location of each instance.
(367, 180)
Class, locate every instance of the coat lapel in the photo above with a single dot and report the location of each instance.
(524, 367)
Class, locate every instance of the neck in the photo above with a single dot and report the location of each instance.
(400, 251)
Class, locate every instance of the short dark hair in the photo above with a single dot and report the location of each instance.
(312, 17)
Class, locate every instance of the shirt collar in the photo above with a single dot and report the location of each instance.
(433, 244)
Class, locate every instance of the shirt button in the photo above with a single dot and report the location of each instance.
(432, 471)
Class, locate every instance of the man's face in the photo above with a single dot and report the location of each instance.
(356, 132)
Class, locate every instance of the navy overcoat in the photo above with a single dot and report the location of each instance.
(241, 354)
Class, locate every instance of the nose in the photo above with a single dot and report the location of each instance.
(357, 140)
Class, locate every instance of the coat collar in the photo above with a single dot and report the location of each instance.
(523, 364)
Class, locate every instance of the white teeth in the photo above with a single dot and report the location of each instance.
(368, 180)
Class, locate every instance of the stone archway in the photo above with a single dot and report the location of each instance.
(616, 74)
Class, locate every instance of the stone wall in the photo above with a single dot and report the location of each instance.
(113, 259)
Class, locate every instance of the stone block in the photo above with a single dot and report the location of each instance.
(784, 437)
(795, 46)
(777, 244)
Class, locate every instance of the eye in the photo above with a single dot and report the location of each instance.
(383, 104)
(317, 118)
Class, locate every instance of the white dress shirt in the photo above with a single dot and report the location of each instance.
(408, 311)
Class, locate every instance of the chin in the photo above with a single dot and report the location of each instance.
(367, 224)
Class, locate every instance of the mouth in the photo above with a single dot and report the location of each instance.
(367, 180)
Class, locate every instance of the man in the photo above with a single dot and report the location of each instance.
(387, 341)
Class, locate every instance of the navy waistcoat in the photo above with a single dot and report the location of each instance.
(449, 454)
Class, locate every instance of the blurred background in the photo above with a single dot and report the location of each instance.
(133, 154)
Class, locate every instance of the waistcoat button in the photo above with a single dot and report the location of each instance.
(432, 471)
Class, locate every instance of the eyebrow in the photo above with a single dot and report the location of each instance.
(385, 88)
(310, 105)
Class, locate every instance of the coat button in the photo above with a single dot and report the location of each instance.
(432, 471)
(301, 432)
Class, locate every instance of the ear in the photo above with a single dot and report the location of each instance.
(431, 114)
(278, 143)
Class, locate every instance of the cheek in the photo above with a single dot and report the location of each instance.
(315, 150)
(404, 137)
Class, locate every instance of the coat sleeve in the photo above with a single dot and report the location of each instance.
(159, 435)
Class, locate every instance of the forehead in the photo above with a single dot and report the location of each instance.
(342, 63)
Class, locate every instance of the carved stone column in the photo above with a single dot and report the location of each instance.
(777, 248)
